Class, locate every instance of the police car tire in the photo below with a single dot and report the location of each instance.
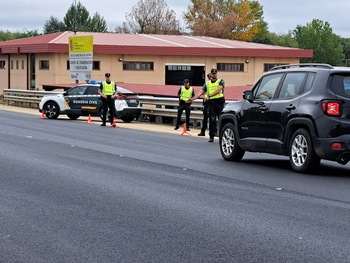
(51, 110)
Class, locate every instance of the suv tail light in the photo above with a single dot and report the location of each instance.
(332, 108)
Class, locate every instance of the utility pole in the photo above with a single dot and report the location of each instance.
(75, 26)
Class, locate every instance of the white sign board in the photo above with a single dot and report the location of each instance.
(81, 57)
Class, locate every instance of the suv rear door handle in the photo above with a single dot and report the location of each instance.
(290, 107)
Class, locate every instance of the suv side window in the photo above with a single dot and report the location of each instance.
(292, 85)
(310, 79)
(267, 87)
(341, 85)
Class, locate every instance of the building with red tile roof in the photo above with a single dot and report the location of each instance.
(138, 59)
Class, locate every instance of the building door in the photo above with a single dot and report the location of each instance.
(176, 73)
(32, 71)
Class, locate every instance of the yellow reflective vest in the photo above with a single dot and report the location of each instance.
(108, 89)
(211, 87)
(186, 94)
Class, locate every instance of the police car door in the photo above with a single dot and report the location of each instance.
(76, 99)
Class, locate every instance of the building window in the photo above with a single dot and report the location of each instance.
(230, 67)
(22, 64)
(11, 64)
(267, 67)
(95, 65)
(179, 68)
(44, 64)
(2, 64)
(137, 65)
(17, 64)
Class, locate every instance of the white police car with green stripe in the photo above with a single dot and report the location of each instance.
(84, 100)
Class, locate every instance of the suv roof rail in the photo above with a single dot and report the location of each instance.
(327, 66)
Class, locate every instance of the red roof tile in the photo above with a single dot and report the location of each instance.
(115, 43)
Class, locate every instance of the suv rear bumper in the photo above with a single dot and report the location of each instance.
(324, 150)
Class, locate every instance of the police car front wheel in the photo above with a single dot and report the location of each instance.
(51, 110)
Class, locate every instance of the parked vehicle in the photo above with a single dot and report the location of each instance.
(301, 111)
(84, 99)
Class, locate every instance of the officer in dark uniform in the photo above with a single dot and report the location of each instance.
(213, 91)
(185, 93)
(108, 92)
(205, 113)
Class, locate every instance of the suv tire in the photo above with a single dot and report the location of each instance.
(51, 110)
(302, 155)
(229, 148)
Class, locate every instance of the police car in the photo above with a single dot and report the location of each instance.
(84, 100)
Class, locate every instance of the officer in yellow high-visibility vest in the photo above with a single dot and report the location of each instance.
(108, 91)
(185, 93)
(213, 90)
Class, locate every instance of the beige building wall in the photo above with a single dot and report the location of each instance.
(4, 72)
(57, 73)
(16, 67)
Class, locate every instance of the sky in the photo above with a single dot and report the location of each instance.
(281, 15)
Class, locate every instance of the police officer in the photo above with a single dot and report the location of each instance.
(185, 93)
(213, 93)
(108, 92)
(205, 112)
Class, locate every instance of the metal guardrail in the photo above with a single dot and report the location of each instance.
(158, 108)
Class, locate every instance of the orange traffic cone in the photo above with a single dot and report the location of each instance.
(43, 116)
(184, 131)
(89, 119)
(114, 123)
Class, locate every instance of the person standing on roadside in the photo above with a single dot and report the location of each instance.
(108, 92)
(213, 92)
(205, 112)
(185, 93)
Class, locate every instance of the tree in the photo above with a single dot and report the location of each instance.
(345, 42)
(77, 18)
(151, 17)
(319, 36)
(54, 25)
(284, 40)
(240, 20)
(98, 24)
(4, 36)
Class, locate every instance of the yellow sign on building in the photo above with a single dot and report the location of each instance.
(80, 57)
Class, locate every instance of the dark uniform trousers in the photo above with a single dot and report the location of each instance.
(183, 107)
(108, 103)
(215, 108)
(205, 116)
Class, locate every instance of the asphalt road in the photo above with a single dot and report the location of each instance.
(74, 192)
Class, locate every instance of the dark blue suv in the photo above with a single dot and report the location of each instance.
(301, 111)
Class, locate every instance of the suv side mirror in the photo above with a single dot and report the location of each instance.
(248, 95)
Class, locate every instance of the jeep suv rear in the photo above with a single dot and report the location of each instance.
(301, 111)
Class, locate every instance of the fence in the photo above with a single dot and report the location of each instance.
(157, 109)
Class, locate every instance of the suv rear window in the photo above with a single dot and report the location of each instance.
(341, 85)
